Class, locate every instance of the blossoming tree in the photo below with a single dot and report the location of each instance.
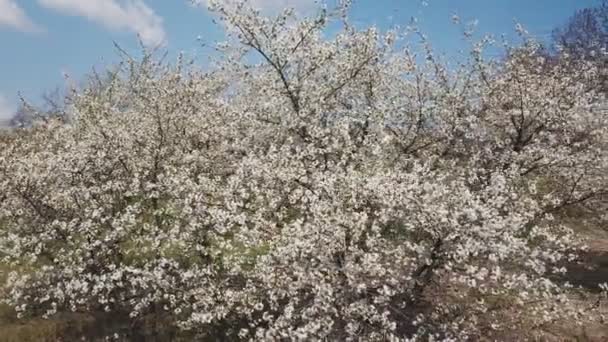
(309, 188)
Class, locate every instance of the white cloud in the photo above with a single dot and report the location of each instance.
(13, 16)
(119, 15)
(7, 111)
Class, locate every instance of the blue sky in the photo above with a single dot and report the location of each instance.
(44, 39)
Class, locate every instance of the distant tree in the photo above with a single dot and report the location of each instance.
(585, 35)
(583, 39)
(53, 106)
(22, 117)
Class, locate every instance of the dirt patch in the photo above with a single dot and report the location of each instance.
(592, 268)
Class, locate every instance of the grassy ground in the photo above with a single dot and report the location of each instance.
(33, 330)
(591, 270)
